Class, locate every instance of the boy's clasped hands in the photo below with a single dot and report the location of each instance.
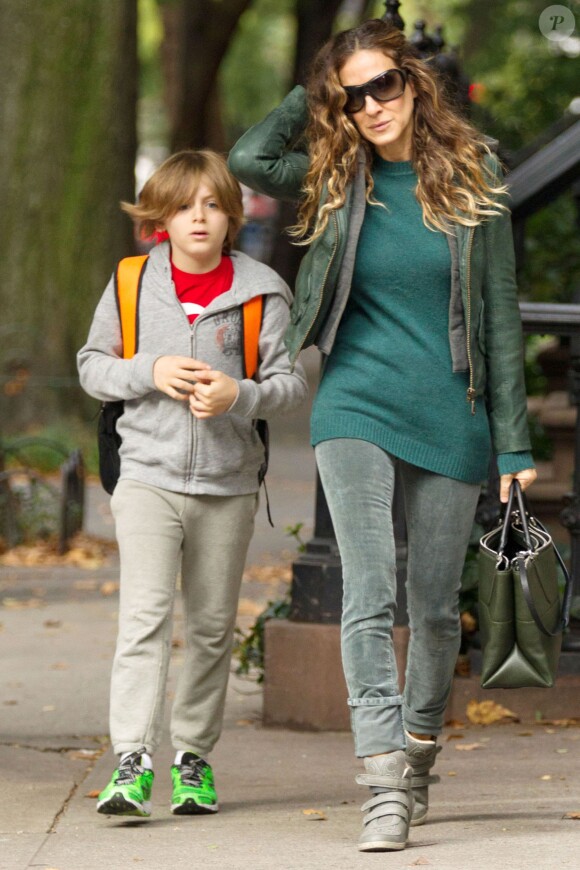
(209, 392)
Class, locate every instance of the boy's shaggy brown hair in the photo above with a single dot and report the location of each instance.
(175, 183)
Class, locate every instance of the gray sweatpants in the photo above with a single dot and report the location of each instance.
(158, 531)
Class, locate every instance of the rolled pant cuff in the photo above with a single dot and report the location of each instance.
(418, 724)
(377, 725)
(122, 748)
(182, 746)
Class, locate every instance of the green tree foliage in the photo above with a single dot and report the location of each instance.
(257, 69)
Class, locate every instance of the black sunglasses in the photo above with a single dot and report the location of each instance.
(385, 87)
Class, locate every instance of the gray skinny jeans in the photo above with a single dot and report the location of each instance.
(358, 480)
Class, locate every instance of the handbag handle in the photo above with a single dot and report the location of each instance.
(506, 522)
(521, 563)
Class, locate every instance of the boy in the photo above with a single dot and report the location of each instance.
(190, 458)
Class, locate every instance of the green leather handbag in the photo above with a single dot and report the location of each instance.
(521, 613)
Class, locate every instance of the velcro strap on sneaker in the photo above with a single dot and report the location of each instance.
(387, 809)
(403, 798)
(426, 779)
(383, 781)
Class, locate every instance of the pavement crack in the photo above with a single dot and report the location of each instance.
(63, 808)
(57, 750)
(74, 788)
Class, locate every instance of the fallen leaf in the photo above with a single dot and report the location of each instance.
(451, 773)
(85, 585)
(315, 815)
(22, 603)
(84, 754)
(60, 666)
(571, 816)
(468, 622)
(546, 776)
(525, 733)
(463, 666)
(84, 552)
(244, 722)
(10, 703)
(488, 712)
(455, 723)
(419, 862)
(48, 708)
(52, 623)
(109, 587)
(469, 747)
(561, 751)
(455, 737)
(560, 723)
(93, 794)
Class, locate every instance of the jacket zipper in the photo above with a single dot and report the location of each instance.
(470, 390)
(332, 255)
(192, 327)
(193, 421)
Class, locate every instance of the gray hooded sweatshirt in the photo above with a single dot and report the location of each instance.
(163, 444)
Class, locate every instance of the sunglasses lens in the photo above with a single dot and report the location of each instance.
(388, 86)
(384, 88)
(355, 100)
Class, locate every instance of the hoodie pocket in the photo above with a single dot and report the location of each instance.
(227, 445)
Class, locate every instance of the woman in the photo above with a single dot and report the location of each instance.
(408, 288)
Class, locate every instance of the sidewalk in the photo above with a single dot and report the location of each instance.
(499, 803)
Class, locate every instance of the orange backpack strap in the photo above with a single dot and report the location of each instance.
(252, 321)
(128, 280)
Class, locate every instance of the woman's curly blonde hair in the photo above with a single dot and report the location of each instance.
(447, 152)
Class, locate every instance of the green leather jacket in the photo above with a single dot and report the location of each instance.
(485, 332)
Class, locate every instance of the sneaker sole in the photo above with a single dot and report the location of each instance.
(189, 807)
(118, 805)
(381, 846)
(420, 821)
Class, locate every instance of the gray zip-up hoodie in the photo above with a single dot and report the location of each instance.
(163, 444)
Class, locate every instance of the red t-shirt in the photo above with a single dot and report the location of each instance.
(195, 292)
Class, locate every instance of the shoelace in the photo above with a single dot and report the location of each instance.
(129, 768)
(191, 772)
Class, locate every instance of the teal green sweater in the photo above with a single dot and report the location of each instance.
(389, 378)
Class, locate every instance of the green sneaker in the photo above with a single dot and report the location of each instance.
(129, 791)
(193, 787)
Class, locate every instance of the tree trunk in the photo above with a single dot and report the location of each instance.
(68, 89)
(315, 19)
(197, 36)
